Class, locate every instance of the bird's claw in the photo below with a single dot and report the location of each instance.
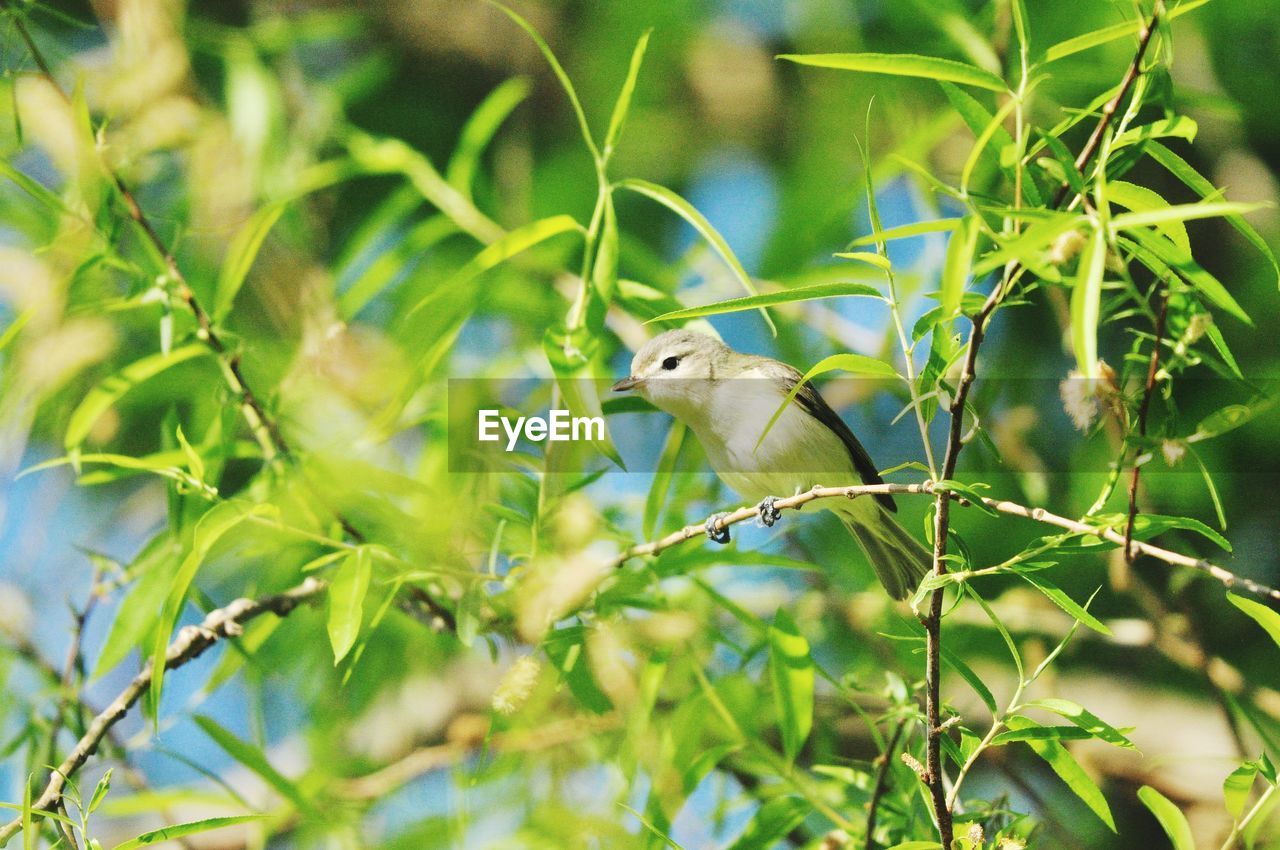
(717, 533)
(766, 513)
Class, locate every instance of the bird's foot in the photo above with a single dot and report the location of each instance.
(766, 513)
(717, 533)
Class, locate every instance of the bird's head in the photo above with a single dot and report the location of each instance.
(673, 370)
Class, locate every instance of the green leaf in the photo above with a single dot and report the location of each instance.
(1069, 771)
(1178, 127)
(1180, 213)
(917, 845)
(662, 479)
(32, 187)
(1037, 732)
(216, 522)
(1066, 603)
(1085, 719)
(858, 364)
(100, 791)
(240, 256)
(1170, 256)
(698, 221)
(559, 71)
(906, 231)
(570, 352)
(867, 257)
(770, 299)
(1086, 303)
(515, 242)
(771, 823)
(1262, 615)
(255, 760)
(1112, 33)
(1141, 199)
(966, 672)
(604, 268)
(347, 591)
(172, 833)
(792, 673)
(480, 129)
(107, 393)
(903, 65)
(1183, 170)
(619, 117)
(955, 269)
(1237, 787)
(1146, 526)
(1171, 818)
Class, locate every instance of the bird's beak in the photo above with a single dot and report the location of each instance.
(628, 383)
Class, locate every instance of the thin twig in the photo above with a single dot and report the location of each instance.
(190, 643)
(1153, 369)
(928, 488)
(932, 621)
(882, 782)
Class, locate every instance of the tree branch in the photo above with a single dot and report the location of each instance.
(1153, 369)
(190, 643)
(928, 488)
(955, 443)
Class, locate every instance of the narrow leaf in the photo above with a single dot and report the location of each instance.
(1069, 771)
(618, 119)
(347, 591)
(903, 65)
(177, 831)
(698, 221)
(107, 393)
(1171, 818)
(254, 759)
(792, 672)
(1086, 304)
(480, 129)
(770, 299)
(1262, 615)
(241, 254)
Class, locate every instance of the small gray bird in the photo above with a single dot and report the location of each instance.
(727, 398)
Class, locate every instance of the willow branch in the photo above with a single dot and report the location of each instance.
(955, 443)
(190, 643)
(1153, 370)
(882, 782)
(929, 488)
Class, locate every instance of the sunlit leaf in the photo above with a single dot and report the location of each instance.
(241, 253)
(346, 594)
(480, 129)
(770, 299)
(219, 519)
(107, 393)
(1086, 304)
(698, 221)
(903, 65)
(255, 760)
(1183, 170)
(1261, 614)
(792, 673)
(1171, 818)
(1082, 717)
(560, 73)
(618, 119)
(1069, 771)
(178, 831)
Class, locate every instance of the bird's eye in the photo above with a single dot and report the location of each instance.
(670, 363)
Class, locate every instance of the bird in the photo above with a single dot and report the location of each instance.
(727, 398)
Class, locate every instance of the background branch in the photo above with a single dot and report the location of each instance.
(191, 642)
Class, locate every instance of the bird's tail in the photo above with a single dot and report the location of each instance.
(900, 561)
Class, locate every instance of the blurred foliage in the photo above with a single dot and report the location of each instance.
(363, 202)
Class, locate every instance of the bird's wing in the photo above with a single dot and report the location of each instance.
(816, 406)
